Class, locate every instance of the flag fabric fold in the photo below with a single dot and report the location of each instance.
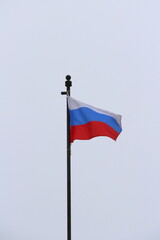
(87, 122)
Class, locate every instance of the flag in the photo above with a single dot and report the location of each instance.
(87, 121)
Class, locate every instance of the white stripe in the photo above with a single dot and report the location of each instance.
(75, 104)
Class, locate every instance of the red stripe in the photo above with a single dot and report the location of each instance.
(92, 129)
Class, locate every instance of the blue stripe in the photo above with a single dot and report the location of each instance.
(84, 115)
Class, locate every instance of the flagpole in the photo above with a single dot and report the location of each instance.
(68, 84)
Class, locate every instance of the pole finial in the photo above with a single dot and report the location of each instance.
(68, 84)
(68, 77)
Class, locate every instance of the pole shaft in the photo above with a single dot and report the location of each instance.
(68, 177)
(68, 84)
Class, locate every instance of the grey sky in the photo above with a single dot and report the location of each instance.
(112, 51)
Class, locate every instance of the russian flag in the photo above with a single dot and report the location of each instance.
(87, 121)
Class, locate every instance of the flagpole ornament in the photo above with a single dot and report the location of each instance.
(68, 84)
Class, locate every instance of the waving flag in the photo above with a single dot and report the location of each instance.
(87, 121)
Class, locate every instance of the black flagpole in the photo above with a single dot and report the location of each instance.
(68, 84)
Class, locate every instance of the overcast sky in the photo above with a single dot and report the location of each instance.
(112, 51)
